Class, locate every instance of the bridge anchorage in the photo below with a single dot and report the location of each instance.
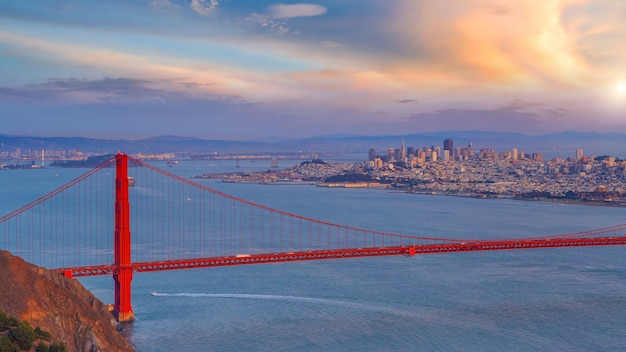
(178, 224)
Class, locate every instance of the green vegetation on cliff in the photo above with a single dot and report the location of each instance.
(58, 305)
(20, 336)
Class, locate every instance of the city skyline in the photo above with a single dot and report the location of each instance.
(218, 69)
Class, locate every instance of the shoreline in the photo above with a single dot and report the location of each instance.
(591, 203)
(585, 202)
(588, 202)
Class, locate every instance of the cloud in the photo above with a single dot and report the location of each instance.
(83, 91)
(265, 22)
(71, 106)
(276, 19)
(503, 120)
(465, 57)
(531, 44)
(521, 105)
(204, 7)
(114, 91)
(160, 3)
(161, 69)
(148, 107)
(407, 101)
(330, 44)
(296, 10)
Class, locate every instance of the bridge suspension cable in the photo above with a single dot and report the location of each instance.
(175, 219)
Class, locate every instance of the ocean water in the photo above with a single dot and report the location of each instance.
(569, 299)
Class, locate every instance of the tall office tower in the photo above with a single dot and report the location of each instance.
(538, 157)
(449, 146)
(579, 154)
(446, 155)
(464, 154)
(390, 154)
(458, 154)
(397, 154)
(433, 156)
(410, 151)
(372, 154)
(421, 156)
(514, 155)
(402, 151)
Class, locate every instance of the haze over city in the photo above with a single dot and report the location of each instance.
(257, 69)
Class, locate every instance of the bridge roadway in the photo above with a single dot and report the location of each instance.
(409, 250)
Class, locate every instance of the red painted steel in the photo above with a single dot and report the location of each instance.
(232, 225)
(351, 253)
(123, 276)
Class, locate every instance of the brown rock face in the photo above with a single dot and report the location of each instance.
(59, 305)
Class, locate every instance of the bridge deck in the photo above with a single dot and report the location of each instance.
(247, 259)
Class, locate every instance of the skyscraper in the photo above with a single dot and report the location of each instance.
(391, 154)
(449, 146)
(538, 157)
(402, 151)
(579, 154)
(372, 154)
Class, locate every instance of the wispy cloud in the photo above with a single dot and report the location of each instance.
(275, 20)
(84, 91)
(530, 44)
(330, 44)
(266, 22)
(160, 3)
(204, 7)
(464, 62)
(296, 10)
(161, 68)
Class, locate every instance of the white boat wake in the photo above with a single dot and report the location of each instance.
(362, 306)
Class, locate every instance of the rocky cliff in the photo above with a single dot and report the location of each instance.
(59, 305)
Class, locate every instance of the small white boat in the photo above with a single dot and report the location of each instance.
(154, 293)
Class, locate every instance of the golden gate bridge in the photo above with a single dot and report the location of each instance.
(126, 216)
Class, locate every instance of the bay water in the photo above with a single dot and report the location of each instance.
(568, 299)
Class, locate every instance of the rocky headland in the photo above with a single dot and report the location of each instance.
(58, 305)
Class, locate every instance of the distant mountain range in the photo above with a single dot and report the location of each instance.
(561, 144)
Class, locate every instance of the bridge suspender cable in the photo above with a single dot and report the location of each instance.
(179, 224)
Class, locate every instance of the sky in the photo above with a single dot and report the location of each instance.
(262, 69)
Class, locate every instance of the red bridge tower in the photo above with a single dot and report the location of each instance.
(123, 311)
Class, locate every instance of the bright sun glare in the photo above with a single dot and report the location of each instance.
(621, 87)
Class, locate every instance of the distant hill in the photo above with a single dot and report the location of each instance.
(561, 144)
(58, 305)
(110, 146)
